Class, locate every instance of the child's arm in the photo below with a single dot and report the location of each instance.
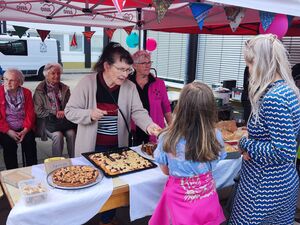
(164, 169)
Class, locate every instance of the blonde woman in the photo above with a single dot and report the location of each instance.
(268, 187)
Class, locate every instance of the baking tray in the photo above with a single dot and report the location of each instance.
(117, 150)
(233, 155)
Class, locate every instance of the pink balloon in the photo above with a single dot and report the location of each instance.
(151, 44)
(279, 26)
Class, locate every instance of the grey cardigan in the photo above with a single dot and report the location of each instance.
(83, 100)
(42, 106)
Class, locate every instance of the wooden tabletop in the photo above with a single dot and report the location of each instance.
(119, 197)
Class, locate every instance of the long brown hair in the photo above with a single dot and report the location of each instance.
(194, 120)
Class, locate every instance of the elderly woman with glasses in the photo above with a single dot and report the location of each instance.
(153, 94)
(17, 120)
(50, 98)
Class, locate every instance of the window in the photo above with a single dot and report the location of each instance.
(9, 47)
(97, 44)
(60, 38)
(220, 57)
(79, 40)
(292, 45)
(170, 57)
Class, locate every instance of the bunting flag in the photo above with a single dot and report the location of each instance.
(266, 18)
(109, 32)
(20, 30)
(128, 29)
(119, 4)
(235, 15)
(200, 12)
(161, 7)
(88, 34)
(43, 34)
(290, 19)
(73, 41)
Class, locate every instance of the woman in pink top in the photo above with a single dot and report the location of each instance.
(153, 94)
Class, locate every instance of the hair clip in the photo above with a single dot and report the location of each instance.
(116, 45)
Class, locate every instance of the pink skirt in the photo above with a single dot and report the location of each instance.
(189, 201)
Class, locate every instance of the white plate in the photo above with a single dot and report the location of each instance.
(50, 182)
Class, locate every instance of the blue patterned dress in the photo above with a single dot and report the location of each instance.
(269, 182)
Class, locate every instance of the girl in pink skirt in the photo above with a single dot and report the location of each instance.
(187, 151)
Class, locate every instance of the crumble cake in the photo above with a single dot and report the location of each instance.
(74, 176)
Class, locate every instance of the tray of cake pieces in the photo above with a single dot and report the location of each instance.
(231, 135)
(119, 161)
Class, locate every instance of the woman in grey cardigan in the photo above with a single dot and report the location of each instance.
(50, 98)
(103, 103)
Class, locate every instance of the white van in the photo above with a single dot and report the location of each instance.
(28, 54)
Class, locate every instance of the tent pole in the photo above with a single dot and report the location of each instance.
(3, 29)
(139, 24)
(105, 38)
(144, 39)
(87, 50)
(192, 56)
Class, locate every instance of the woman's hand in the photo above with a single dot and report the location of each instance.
(153, 129)
(22, 134)
(97, 114)
(14, 135)
(60, 114)
(246, 156)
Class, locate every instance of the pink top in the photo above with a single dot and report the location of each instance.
(159, 104)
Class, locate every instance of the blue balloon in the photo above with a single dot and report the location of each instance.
(132, 40)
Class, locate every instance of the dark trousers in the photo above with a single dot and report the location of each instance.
(10, 148)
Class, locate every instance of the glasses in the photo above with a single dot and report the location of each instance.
(123, 70)
(9, 80)
(145, 63)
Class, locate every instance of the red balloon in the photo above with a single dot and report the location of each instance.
(279, 26)
(151, 44)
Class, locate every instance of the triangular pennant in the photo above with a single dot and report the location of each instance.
(290, 19)
(128, 29)
(20, 30)
(109, 32)
(235, 15)
(88, 34)
(200, 12)
(161, 7)
(43, 34)
(73, 41)
(266, 18)
(119, 4)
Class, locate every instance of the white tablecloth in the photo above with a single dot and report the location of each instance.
(145, 187)
(69, 207)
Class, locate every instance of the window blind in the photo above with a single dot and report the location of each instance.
(170, 57)
(220, 58)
